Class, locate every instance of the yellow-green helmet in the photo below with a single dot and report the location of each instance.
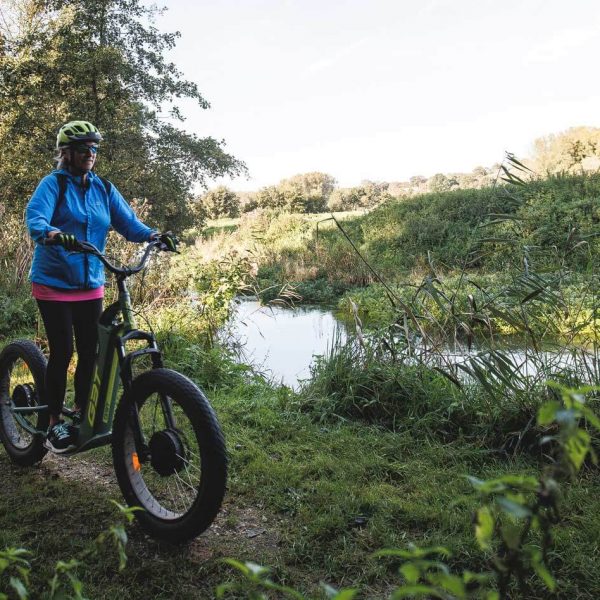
(77, 131)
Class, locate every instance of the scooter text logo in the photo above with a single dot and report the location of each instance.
(94, 398)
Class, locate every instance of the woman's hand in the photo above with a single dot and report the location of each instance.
(168, 240)
(67, 240)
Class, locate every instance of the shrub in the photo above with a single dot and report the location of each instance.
(359, 383)
(17, 312)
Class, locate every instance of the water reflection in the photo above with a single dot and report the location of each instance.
(519, 365)
(282, 342)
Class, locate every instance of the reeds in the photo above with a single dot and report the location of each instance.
(489, 350)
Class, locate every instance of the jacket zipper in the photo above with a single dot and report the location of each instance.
(86, 285)
(86, 259)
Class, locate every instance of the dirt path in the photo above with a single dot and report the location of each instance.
(243, 529)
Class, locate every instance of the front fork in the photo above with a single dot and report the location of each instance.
(141, 444)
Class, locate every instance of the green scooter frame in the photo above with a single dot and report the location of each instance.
(113, 364)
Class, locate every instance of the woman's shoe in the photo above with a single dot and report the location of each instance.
(61, 438)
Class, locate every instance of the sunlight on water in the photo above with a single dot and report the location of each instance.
(281, 342)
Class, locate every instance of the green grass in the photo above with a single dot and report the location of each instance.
(311, 500)
(312, 217)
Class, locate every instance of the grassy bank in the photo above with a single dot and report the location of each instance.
(316, 486)
(311, 500)
(471, 266)
(553, 222)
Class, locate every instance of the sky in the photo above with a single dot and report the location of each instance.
(384, 89)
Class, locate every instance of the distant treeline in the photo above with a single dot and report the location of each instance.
(546, 225)
(574, 151)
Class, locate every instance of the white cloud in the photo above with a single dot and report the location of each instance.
(329, 61)
(561, 45)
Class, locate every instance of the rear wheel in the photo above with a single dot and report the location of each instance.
(22, 374)
(181, 484)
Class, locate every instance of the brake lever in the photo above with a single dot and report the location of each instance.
(164, 248)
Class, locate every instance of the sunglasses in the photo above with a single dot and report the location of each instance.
(84, 149)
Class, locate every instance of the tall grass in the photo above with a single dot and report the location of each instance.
(444, 361)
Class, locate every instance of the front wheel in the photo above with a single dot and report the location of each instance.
(181, 483)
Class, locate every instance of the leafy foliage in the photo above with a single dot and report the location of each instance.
(102, 60)
(221, 202)
(572, 151)
(367, 195)
(304, 193)
(65, 583)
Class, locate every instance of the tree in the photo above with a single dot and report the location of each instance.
(573, 150)
(367, 195)
(221, 202)
(307, 192)
(248, 201)
(101, 60)
(197, 214)
(304, 193)
(344, 199)
(372, 193)
(441, 183)
(399, 189)
(270, 197)
(417, 182)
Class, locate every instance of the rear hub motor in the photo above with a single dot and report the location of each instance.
(24, 395)
(167, 453)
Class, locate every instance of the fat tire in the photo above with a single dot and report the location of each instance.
(35, 360)
(213, 457)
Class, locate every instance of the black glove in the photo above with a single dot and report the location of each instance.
(168, 241)
(67, 240)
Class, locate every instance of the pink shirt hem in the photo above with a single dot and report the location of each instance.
(45, 292)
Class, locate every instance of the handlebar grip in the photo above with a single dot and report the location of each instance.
(81, 246)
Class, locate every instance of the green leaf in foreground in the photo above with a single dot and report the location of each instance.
(547, 413)
(484, 529)
(17, 585)
(577, 447)
(418, 591)
(333, 594)
(537, 562)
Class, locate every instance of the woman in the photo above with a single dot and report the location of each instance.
(70, 204)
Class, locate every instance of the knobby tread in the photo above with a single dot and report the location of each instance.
(30, 353)
(212, 446)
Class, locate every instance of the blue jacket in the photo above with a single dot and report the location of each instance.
(88, 214)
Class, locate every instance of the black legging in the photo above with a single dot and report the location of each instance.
(60, 320)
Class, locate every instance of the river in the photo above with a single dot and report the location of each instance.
(282, 342)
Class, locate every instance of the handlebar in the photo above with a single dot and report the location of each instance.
(89, 248)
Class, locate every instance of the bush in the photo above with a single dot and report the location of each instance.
(16, 313)
(212, 368)
(355, 383)
(220, 202)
